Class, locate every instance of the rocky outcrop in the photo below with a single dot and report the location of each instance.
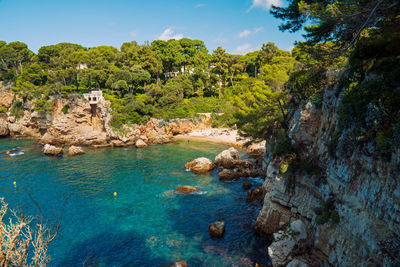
(228, 175)
(288, 243)
(75, 150)
(3, 127)
(140, 143)
(74, 121)
(217, 229)
(6, 98)
(255, 195)
(52, 150)
(348, 198)
(186, 189)
(227, 158)
(200, 165)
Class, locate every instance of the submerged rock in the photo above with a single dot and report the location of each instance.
(52, 150)
(227, 175)
(217, 229)
(246, 185)
(187, 189)
(180, 263)
(227, 158)
(200, 165)
(140, 143)
(75, 150)
(255, 195)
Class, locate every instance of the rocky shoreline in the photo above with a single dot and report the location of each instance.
(74, 122)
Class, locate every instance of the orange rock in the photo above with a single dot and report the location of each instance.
(187, 189)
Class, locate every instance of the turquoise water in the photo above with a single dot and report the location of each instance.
(146, 224)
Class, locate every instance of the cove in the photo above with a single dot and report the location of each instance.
(146, 224)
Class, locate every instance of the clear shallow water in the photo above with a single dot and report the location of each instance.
(146, 224)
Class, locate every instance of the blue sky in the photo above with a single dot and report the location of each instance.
(239, 26)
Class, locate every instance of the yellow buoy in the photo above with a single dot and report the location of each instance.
(15, 183)
(115, 194)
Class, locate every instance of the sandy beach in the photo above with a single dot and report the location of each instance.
(222, 136)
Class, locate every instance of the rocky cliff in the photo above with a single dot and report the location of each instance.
(74, 121)
(347, 197)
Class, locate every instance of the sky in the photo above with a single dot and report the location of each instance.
(239, 26)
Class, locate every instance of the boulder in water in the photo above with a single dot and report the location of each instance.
(227, 158)
(140, 143)
(254, 195)
(75, 150)
(180, 263)
(187, 189)
(52, 150)
(227, 175)
(217, 229)
(200, 165)
(246, 185)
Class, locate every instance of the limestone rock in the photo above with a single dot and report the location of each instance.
(287, 243)
(227, 158)
(4, 127)
(11, 119)
(227, 175)
(187, 189)
(75, 150)
(52, 150)
(140, 143)
(200, 165)
(297, 263)
(217, 229)
(6, 98)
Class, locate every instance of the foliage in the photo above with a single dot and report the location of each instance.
(259, 108)
(341, 21)
(3, 111)
(282, 145)
(65, 109)
(43, 105)
(305, 83)
(17, 109)
(165, 79)
(370, 103)
(327, 212)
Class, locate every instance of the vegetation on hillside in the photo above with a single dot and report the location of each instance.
(166, 79)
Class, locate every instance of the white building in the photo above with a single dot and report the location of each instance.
(94, 97)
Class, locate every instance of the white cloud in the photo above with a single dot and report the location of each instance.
(169, 34)
(199, 5)
(265, 4)
(258, 29)
(247, 32)
(244, 49)
(244, 34)
(133, 34)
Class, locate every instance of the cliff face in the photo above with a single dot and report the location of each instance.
(74, 121)
(362, 189)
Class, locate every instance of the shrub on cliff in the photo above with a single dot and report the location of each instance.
(20, 243)
(43, 105)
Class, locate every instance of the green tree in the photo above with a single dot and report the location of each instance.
(259, 108)
(220, 66)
